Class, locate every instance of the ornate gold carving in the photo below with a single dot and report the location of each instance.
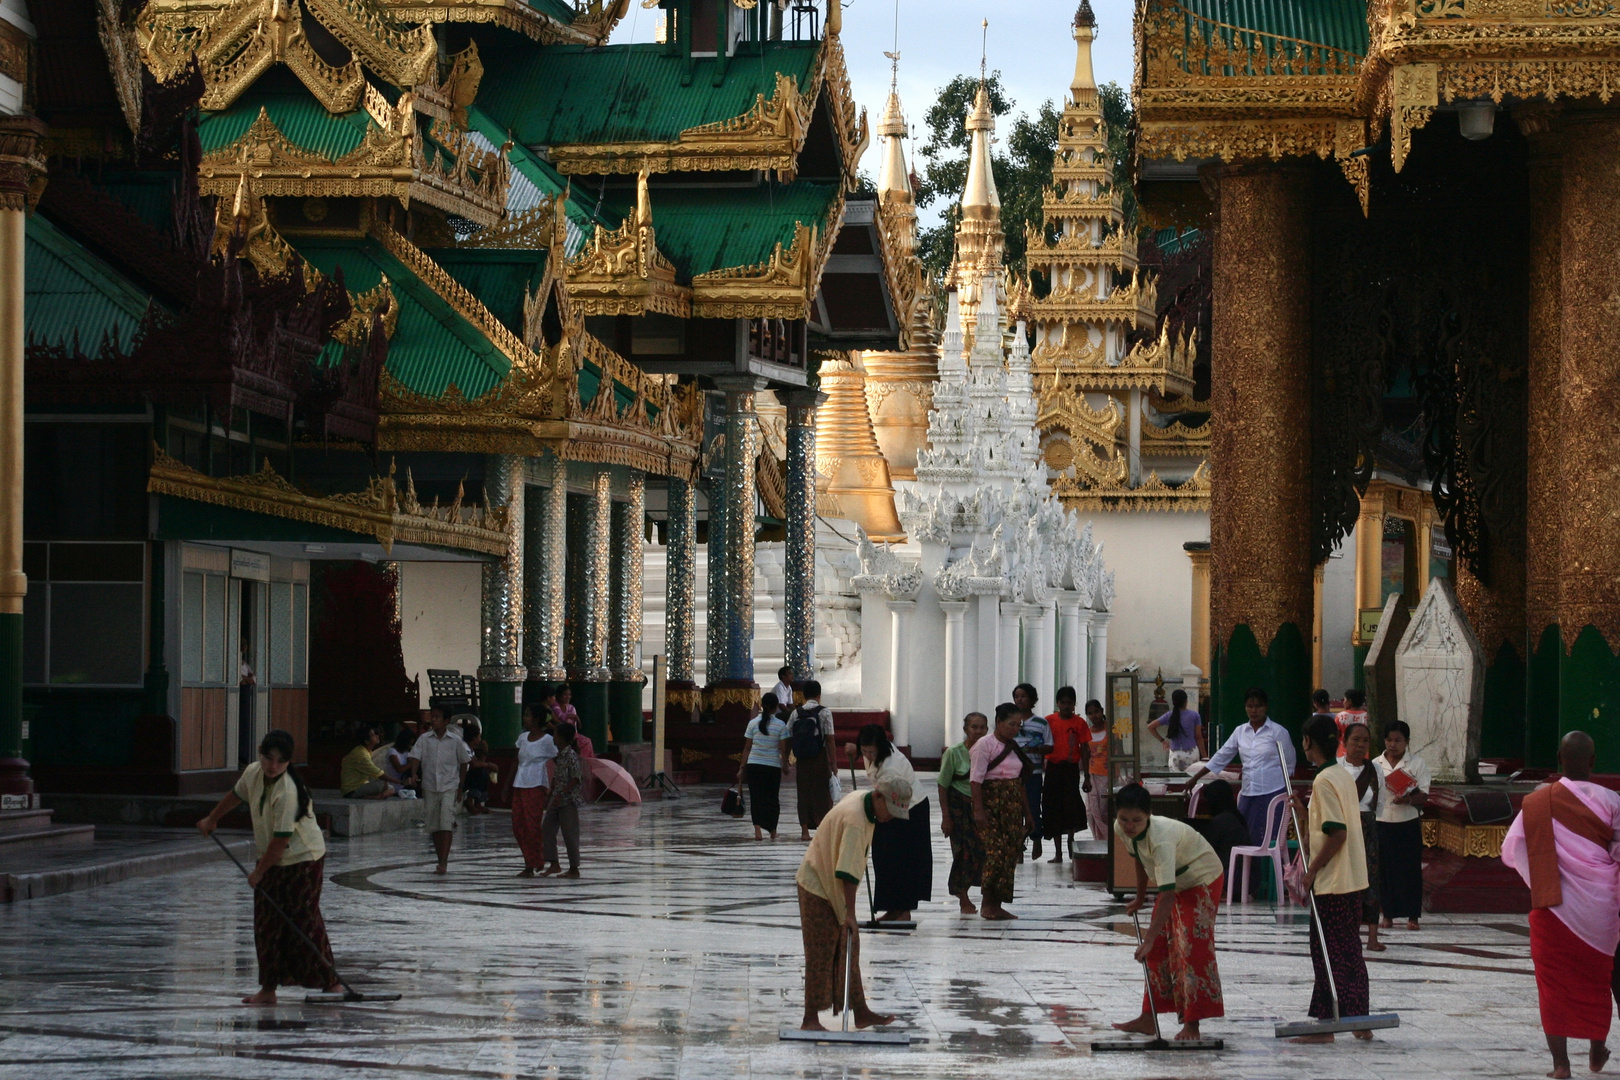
(452, 173)
(1417, 93)
(405, 56)
(22, 164)
(591, 27)
(15, 47)
(381, 511)
(622, 272)
(1153, 494)
(782, 287)
(1469, 841)
(123, 59)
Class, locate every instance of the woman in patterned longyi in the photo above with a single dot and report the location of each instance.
(1000, 808)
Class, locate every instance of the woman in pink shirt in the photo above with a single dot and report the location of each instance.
(1000, 807)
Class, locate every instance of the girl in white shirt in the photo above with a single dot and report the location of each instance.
(531, 788)
(1400, 827)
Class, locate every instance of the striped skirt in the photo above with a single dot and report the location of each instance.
(285, 959)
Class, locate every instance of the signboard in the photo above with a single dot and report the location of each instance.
(250, 565)
(659, 675)
(1367, 620)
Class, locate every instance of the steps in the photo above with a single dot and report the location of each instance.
(22, 830)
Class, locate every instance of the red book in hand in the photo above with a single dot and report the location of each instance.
(1400, 782)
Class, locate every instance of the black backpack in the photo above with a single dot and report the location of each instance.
(806, 733)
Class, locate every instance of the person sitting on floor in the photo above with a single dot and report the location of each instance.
(397, 763)
(361, 778)
(480, 770)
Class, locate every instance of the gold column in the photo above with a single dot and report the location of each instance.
(1369, 558)
(1543, 499)
(1199, 650)
(847, 455)
(1317, 577)
(20, 168)
(1260, 510)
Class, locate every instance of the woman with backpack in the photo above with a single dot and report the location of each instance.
(764, 757)
(902, 849)
(810, 733)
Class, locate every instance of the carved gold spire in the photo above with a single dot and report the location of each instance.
(980, 244)
(894, 182)
(1083, 88)
(853, 475)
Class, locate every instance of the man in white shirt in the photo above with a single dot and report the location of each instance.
(784, 692)
(1256, 744)
(441, 759)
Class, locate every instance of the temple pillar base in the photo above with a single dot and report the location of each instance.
(1589, 695)
(592, 702)
(730, 701)
(624, 710)
(683, 701)
(1283, 670)
(500, 708)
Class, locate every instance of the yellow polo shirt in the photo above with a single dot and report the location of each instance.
(1175, 855)
(272, 808)
(838, 850)
(1334, 806)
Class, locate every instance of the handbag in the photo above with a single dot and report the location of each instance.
(731, 803)
(835, 788)
(1294, 880)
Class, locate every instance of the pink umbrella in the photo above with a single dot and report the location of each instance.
(614, 778)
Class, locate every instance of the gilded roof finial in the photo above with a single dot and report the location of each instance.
(1083, 87)
(984, 46)
(895, 178)
(643, 199)
(1083, 15)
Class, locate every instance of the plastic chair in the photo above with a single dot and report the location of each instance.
(1192, 800)
(1274, 846)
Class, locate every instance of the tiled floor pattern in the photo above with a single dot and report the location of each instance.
(678, 955)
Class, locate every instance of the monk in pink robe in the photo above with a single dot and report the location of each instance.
(1565, 843)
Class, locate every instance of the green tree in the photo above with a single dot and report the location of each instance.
(1021, 161)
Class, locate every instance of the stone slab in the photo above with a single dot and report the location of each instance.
(117, 854)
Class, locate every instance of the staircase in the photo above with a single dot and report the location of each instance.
(27, 830)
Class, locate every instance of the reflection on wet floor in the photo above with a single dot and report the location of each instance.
(678, 955)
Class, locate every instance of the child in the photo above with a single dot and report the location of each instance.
(1063, 812)
(1179, 944)
(832, 868)
(1095, 785)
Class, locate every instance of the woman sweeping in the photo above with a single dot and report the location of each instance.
(1063, 809)
(530, 788)
(1400, 828)
(1179, 945)
(1369, 786)
(292, 856)
(764, 756)
(1000, 808)
(956, 819)
(902, 849)
(1336, 871)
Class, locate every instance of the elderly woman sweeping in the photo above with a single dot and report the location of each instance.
(292, 856)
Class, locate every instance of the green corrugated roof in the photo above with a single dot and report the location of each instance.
(148, 195)
(300, 117)
(625, 93)
(704, 229)
(1340, 24)
(66, 289)
(499, 278)
(432, 346)
(548, 180)
(557, 9)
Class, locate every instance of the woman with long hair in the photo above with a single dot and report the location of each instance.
(764, 757)
(1181, 732)
(1000, 807)
(956, 815)
(1369, 786)
(531, 788)
(902, 850)
(288, 875)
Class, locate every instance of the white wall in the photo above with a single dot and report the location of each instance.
(1339, 618)
(439, 620)
(1152, 623)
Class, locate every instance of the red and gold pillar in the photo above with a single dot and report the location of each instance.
(1261, 581)
(1589, 432)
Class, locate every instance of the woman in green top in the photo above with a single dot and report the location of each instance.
(967, 849)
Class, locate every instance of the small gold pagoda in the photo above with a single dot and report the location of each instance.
(1109, 404)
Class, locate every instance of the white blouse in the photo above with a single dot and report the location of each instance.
(533, 758)
(1391, 811)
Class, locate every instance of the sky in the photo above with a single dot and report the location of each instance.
(1028, 42)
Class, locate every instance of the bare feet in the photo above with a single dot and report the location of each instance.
(1189, 1032)
(1412, 924)
(1373, 944)
(527, 871)
(1142, 1025)
(773, 836)
(1312, 1040)
(572, 872)
(1386, 924)
(554, 868)
(1598, 1057)
(812, 1022)
(1364, 1036)
(804, 837)
(267, 996)
(1559, 1072)
(1057, 856)
(997, 912)
(865, 1018)
(895, 916)
(441, 869)
(758, 835)
(967, 905)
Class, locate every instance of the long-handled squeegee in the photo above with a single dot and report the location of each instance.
(1370, 1022)
(1158, 1042)
(845, 1033)
(873, 922)
(320, 997)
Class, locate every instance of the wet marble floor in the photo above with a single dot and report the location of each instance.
(678, 955)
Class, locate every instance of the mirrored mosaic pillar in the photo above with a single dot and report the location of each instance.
(624, 637)
(799, 630)
(732, 686)
(501, 672)
(714, 656)
(545, 568)
(591, 691)
(680, 603)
